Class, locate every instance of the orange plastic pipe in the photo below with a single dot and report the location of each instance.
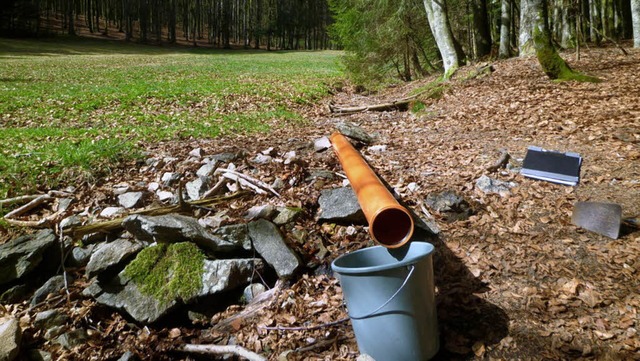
(390, 224)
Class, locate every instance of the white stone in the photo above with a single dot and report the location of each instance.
(109, 212)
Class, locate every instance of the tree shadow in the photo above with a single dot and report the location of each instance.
(464, 319)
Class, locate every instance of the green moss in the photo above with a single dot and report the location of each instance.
(167, 272)
(552, 64)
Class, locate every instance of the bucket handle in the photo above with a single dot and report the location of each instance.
(411, 269)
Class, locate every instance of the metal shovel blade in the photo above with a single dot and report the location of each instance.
(601, 218)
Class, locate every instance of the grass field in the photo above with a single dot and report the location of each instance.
(72, 106)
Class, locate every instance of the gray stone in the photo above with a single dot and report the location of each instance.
(165, 196)
(38, 355)
(377, 148)
(252, 291)
(320, 174)
(53, 285)
(20, 256)
(287, 215)
(268, 242)
(217, 276)
(153, 186)
(10, 338)
(355, 132)
(197, 153)
(207, 169)
(79, 256)
(73, 338)
(15, 294)
(170, 229)
(340, 205)
(129, 356)
(70, 221)
(109, 212)
(130, 199)
(490, 185)
(290, 157)
(277, 184)
(265, 211)
(225, 157)
(262, 159)
(227, 274)
(169, 178)
(321, 144)
(111, 256)
(449, 204)
(236, 235)
(50, 318)
(197, 187)
(64, 204)
(119, 189)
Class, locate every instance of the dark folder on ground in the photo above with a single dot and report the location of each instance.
(552, 166)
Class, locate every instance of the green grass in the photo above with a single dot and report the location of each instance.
(69, 107)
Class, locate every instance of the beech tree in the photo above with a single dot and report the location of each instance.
(441, 30)
(552, 64)
(505, 29)
(635, 15)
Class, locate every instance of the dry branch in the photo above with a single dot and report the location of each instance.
(250, 311)
(257, 185)
(29, 206)
(223, 350)
(20, 199)
(501, 162)
(115, 224)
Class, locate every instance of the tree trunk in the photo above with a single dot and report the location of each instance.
(528, 18)
(567, 35)
(482, 32)
(505, 26)
(635, 19)
(595, 20)
(552, 64)
(439, 24)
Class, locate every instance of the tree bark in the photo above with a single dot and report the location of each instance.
(635, 19)
(482, 38)
(528, 18)
(552, 64)
(439, 24)
(505, 27)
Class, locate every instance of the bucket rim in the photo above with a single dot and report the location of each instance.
(386, 266)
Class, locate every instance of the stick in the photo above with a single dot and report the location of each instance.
(29, 206)
(501, 162)
(18, 199)
(223, 350)
(253, 181)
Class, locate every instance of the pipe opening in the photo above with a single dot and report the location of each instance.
(392, 227)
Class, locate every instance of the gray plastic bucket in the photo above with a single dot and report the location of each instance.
(390, 297)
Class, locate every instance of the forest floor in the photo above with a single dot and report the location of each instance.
(516, 280)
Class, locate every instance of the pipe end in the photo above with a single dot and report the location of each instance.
(392, 227)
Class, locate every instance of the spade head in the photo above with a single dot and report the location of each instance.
(602, 218)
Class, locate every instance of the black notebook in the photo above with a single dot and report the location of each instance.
(556, 167)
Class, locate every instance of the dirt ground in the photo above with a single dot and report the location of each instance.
(516, 280)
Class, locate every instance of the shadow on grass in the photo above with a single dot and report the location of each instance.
(69, 45)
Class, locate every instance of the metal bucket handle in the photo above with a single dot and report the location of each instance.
(411, 269)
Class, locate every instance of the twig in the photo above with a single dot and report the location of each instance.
(304, 328)
(608, 38)
(29, 206)
(18, 199)
(256, 183)
(223, 350)
(319, 344)
(221, 182)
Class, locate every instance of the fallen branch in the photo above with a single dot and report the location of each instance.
(223, 350)
(404, 102)
(257, 185)
(18, 199)
(252, 310)
(115, 224)
(501, 162)
(609, 39)
(29, 206)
